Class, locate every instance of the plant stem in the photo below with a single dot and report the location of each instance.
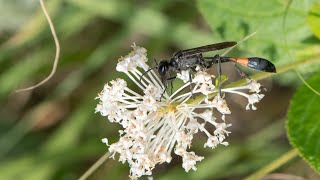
(273, 165)
(95, 166)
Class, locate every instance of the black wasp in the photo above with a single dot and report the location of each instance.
(189, 59)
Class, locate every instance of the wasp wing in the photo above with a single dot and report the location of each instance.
(202, 49)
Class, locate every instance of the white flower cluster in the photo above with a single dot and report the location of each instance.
(153, 129)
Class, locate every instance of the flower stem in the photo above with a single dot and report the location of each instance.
(273, 165)
(95, 166)
(307, 84)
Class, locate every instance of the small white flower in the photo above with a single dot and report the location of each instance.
(254, 98)
(212, 142)
(105, 141)
(184, 76)
(253, 86)
(207, 115)
(219, 103)
(136, 58)
(189, 160)
(203, 77)
(154, 129)
(204, 80)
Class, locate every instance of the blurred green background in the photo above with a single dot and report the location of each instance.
(52, 132)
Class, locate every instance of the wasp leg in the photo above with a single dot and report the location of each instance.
(165, 85)
(217, 60)
(165, 88)
(171, 89)
(242, 74)
(171, 78)
(190, 85)
(171, 82)
(214, 60)
(156, 62)
(219, 74)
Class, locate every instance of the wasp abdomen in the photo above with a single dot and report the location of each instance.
(261, 64)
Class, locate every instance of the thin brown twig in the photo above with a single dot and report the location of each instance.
(95, 166)
(306, 83)
(285, 158)
(56, 59)
(241, 41)
(282, 176)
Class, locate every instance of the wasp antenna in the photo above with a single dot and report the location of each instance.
(155, 61)
(146, 72)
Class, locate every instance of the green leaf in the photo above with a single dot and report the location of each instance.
(67, 136)
(15, 13)
(224, 78)
(235, 19)
(313, 19)
(22, 70)
(303, 123)
(111, 9)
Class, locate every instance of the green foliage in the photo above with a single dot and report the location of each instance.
(93, 35)
(313, 19)
(303, 123)
(234, 19)
(13, 13)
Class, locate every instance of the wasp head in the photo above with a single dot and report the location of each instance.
(163, 68)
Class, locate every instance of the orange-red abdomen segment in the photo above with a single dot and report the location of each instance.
(253, 62)
(242, 61)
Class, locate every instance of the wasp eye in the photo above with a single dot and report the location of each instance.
(162, 69)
